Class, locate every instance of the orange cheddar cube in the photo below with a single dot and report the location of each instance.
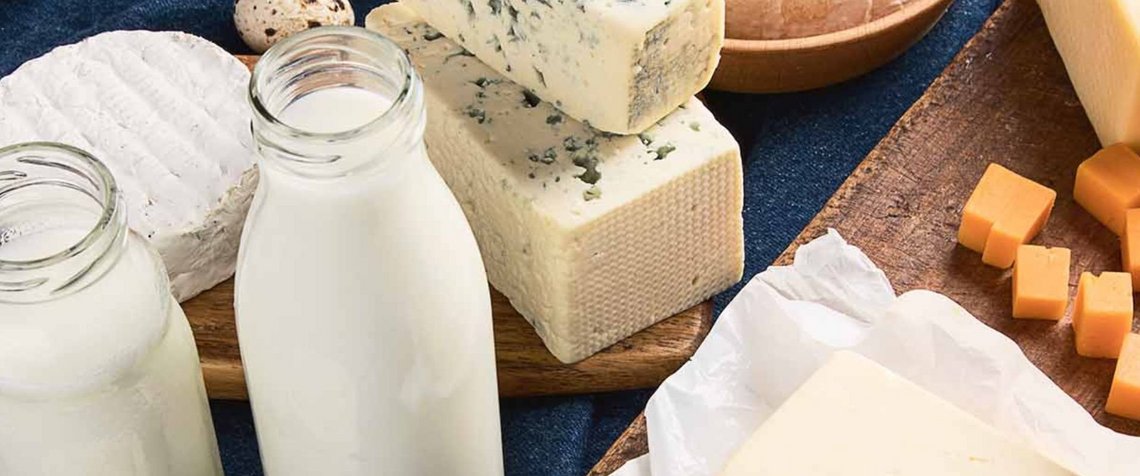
(1108, 184)
(1102, 314)
(1005, 211)
(1041, 282)
(1124, 397)
(1130, 246)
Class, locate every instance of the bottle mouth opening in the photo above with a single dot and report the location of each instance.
(323, 58)
(65, 178)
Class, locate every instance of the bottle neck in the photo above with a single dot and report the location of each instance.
(62, 223)
(335, 101)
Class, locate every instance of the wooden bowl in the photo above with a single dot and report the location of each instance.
(772, 66)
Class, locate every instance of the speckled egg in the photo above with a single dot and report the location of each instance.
(262, 23)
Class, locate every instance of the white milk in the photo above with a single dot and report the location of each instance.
(363, 314)
(102, 381)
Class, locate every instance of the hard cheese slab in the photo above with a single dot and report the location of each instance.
(1006, 98)
(525, 367)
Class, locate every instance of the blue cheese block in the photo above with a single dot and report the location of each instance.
(592, 236)
(618, 65)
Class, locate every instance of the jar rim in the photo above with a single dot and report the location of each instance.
(102, 178)
(269, 62)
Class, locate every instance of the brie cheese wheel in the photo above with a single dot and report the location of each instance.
(167, 113)
(592, 236)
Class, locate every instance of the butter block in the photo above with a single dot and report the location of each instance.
(854, 417)
(1004, 211)
(620, 66)
(1041, 282)
(1108, 184)
(1099, 41)
(1124, 396)
(1130, 246)
(1102, 314)
(592, 236)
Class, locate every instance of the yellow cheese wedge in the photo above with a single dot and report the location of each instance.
(854, 417)
(1099, 41)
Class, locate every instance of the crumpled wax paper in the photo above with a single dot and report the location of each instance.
(788, 320)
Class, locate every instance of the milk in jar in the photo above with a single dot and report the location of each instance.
(99, 374)
(363, 310)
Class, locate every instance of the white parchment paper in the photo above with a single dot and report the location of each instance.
(787, 321)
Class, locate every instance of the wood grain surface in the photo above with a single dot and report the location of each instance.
(797, 64)
(1005, 98)
(525, 367)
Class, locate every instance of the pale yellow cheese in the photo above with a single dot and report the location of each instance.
(1100, 43)
(854, 417)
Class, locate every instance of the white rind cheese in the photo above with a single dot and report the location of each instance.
(167, 113)
(592, 236)
(618, 65)
(855, 417)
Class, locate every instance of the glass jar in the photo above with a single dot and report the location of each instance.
(99, 374)
(363, 310)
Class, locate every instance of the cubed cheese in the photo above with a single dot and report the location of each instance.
(592, 236)
(1130, 247)
(1099, 41)
(1108, 184)
(854, 417)
(1041, 282)
(1102, 314)
(1124, 397)
(618, 65)
(1005, 211)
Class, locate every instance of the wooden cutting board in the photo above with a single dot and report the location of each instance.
(525, 367)
(1005, 98)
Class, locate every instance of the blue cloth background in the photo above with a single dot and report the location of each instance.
(799, 148)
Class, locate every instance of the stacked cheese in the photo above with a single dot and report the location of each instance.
(592, 236)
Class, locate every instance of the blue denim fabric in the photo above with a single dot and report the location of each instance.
(799, 148)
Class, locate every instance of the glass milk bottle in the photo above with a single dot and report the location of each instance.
(99, 373)
(363, 311)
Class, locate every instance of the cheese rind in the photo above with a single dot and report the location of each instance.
(855, 417)
(592, 236)
(166, 112)
(1099, 42)
(619, 66)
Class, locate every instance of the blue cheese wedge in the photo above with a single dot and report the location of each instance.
(592, 236)
(618, 65)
